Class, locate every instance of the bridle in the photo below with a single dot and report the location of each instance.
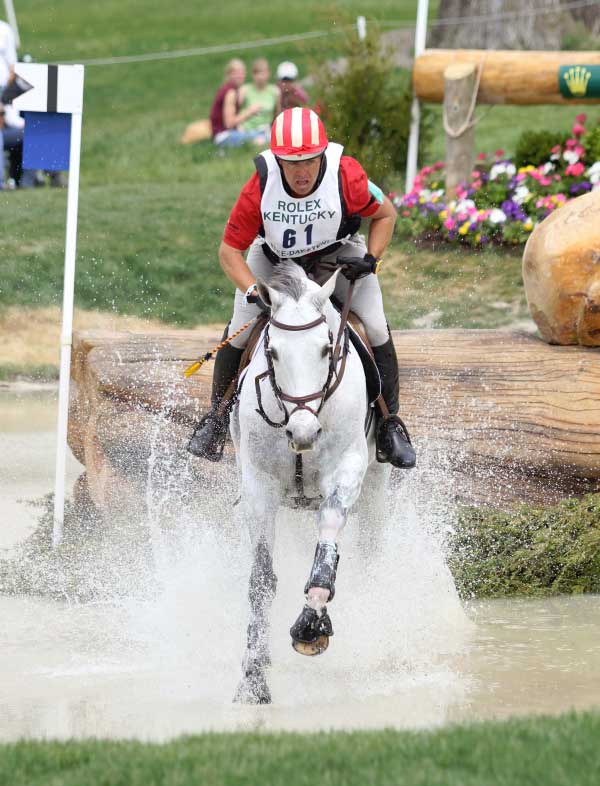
(334, 376)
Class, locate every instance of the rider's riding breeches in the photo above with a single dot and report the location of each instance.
(367, 302)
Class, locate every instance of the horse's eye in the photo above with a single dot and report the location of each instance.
(274, 355)
(325, 351)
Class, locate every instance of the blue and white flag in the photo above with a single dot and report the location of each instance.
(55, 94)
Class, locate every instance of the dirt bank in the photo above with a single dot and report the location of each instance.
(30, 337)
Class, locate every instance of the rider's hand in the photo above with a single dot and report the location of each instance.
(358, 267)
(253, 298)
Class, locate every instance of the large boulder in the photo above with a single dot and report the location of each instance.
(561, 273)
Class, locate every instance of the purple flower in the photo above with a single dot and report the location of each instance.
(513, 211)
(579, 188)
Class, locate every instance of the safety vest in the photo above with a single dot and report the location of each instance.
(295, 227)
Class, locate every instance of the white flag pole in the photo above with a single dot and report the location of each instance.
(67, 327)
(59, 90)
(12, 20)
(413, 139)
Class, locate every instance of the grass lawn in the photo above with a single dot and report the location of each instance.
(526, 752)
(152, 211)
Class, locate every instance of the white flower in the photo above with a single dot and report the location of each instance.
(521, 195)
(549, 166)
(438, 192)
(595, 168)
(502, 168)
(465, 205)
(570, 156)
(426, 194)
(497, 216)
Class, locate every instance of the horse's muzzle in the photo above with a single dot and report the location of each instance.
(302, 433)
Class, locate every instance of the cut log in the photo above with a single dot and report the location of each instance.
(508, 77)
(460, 85)
(509, 418)
(561, 273)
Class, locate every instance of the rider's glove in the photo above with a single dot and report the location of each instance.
(254, 299)
(358, 267)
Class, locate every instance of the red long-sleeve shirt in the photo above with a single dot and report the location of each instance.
(245, 219)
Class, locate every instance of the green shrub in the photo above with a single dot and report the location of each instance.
(534, 147)
(367, 108)
(591, 145)
(528, 552)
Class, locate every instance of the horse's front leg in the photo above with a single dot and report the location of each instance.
(311, 631)
(260, 511)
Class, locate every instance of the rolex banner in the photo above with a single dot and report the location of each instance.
(579, 81)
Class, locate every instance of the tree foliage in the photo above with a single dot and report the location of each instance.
(365, 103)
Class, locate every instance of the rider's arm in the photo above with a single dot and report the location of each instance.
(235, 267)
(241, 229)
(381, 229)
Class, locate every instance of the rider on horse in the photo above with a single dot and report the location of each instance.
(305, 203)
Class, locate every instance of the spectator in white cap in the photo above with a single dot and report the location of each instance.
(291, 93)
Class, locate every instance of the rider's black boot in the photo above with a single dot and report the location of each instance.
(208, 439)
(392, 438)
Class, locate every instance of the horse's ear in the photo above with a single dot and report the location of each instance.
(268, 295)
(326, 291)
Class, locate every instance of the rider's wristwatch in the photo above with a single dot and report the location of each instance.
(252, 292)
(375, 262)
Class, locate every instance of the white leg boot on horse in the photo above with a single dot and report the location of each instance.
(312, 630)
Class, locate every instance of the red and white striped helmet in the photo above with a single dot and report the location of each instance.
(298, 134)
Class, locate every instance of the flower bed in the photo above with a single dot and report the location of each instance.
(501, 203)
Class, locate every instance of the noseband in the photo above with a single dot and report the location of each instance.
(301, 402)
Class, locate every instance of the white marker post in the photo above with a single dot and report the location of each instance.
(58, 90)
(413, 139)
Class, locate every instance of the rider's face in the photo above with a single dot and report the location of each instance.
(301, 176)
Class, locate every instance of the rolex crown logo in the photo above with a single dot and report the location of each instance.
(577, 78)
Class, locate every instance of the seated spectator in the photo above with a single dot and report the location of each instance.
(11, 136)
(263, 98)
(226, 114)
(291, 93)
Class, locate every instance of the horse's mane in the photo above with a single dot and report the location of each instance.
(288, 279)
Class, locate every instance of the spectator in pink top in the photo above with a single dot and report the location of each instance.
(226, 114)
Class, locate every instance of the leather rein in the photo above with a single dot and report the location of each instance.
(334, 376)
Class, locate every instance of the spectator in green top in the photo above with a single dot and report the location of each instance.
(267, 96)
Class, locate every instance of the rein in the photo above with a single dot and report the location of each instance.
(335, 350)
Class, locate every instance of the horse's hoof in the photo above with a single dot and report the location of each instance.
(310, 633)
(315, 647)
(253, 689)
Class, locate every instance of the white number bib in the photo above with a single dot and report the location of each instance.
(295, 226)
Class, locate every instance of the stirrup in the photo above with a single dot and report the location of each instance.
(398, 451)
(208, 439)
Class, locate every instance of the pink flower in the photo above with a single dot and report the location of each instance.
(570, 144)
(406, 213)
(556, 149)
(450, 223)
(520, 177)
(438, 165)
(578, 130)
(427, 170)
(499, 153)
(477, 184)
(545, 181)
(461, 216)
(579, 150)
(575, 170)
(481, 156)
(581, 118)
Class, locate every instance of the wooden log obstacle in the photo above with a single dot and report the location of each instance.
(511, 418)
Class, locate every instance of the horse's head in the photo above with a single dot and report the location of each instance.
(299, 347)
